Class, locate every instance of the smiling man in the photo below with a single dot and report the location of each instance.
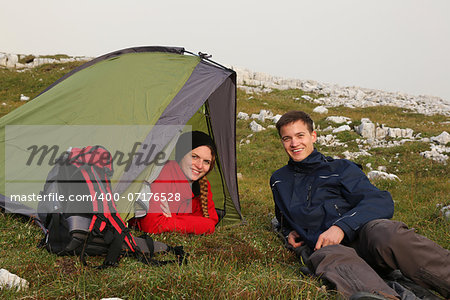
(330, 206)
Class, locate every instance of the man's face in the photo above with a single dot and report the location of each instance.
(297, 140)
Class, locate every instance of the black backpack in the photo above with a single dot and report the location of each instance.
(78, 210)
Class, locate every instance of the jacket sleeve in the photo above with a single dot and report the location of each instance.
(285, 228)
(367, 202)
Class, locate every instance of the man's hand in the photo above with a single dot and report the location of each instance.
(333, 236)
(294, 239)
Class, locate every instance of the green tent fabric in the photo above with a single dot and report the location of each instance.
(126, 101)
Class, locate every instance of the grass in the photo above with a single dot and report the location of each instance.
(246, 261)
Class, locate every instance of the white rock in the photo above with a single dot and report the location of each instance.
(329, 141)
(380, 132)
(381, 175)
(441, 139)
(342, 128)
(271, 126)
(382, 168)
(254, 116)
(3, 59)
(265, 114)
(276, 118)
(4, 104)
(436, 153)
(24, 98)
(9, 280)
(11, 60)
(306, 97)
(255, 127)
(446, 212)
(338, 119)
(329, 128)
(394, 132)
(353, 155)
(366, 130)
(343, 96)
(242, 116)
(369, 165)
(320, 110)
(409, 133)
(239, 176)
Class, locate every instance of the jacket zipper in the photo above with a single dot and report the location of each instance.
(308, 198)
(337, 210)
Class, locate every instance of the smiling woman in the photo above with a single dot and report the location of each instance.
(187, 205)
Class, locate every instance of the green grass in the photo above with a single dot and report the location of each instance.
(246, 261)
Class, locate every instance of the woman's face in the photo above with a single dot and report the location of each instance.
(196, 163)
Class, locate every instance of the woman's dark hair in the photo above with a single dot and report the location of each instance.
(294, 116)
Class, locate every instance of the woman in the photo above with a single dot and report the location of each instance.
(181, 195)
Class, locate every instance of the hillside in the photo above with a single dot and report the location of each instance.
(400, 140)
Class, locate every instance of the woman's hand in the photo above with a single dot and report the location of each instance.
(165, 209)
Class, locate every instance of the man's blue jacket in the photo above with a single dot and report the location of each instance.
(318, 192)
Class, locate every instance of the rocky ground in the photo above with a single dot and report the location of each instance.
(334, 95)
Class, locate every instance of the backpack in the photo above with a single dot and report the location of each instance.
(78, 210)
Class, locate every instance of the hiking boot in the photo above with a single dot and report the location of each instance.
(370, 296)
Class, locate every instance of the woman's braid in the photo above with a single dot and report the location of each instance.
(203, 182)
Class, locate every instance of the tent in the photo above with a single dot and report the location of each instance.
(135, 102)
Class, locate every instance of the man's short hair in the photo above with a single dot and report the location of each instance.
(294, 116)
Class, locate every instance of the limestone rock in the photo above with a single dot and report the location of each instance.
(330, 141)
(382, 168)
(366, 130)
(353, 155)
(373, 175)
(2, 60)
(11, 60)
(320, 110)
(265, 114)
(437, 153)
(276, 118)
(342, 128)
(24, 98)
(373, 131)
(446, 212)
(255, 127)
(441, 139)
(338, 119)
(335, 95)
(9, 280)
(242, 116)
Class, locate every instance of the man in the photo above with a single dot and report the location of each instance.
(331, 206)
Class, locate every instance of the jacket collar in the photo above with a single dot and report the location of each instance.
(314, 160)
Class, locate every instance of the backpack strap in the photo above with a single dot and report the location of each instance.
(105, 212)
(148, 247)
